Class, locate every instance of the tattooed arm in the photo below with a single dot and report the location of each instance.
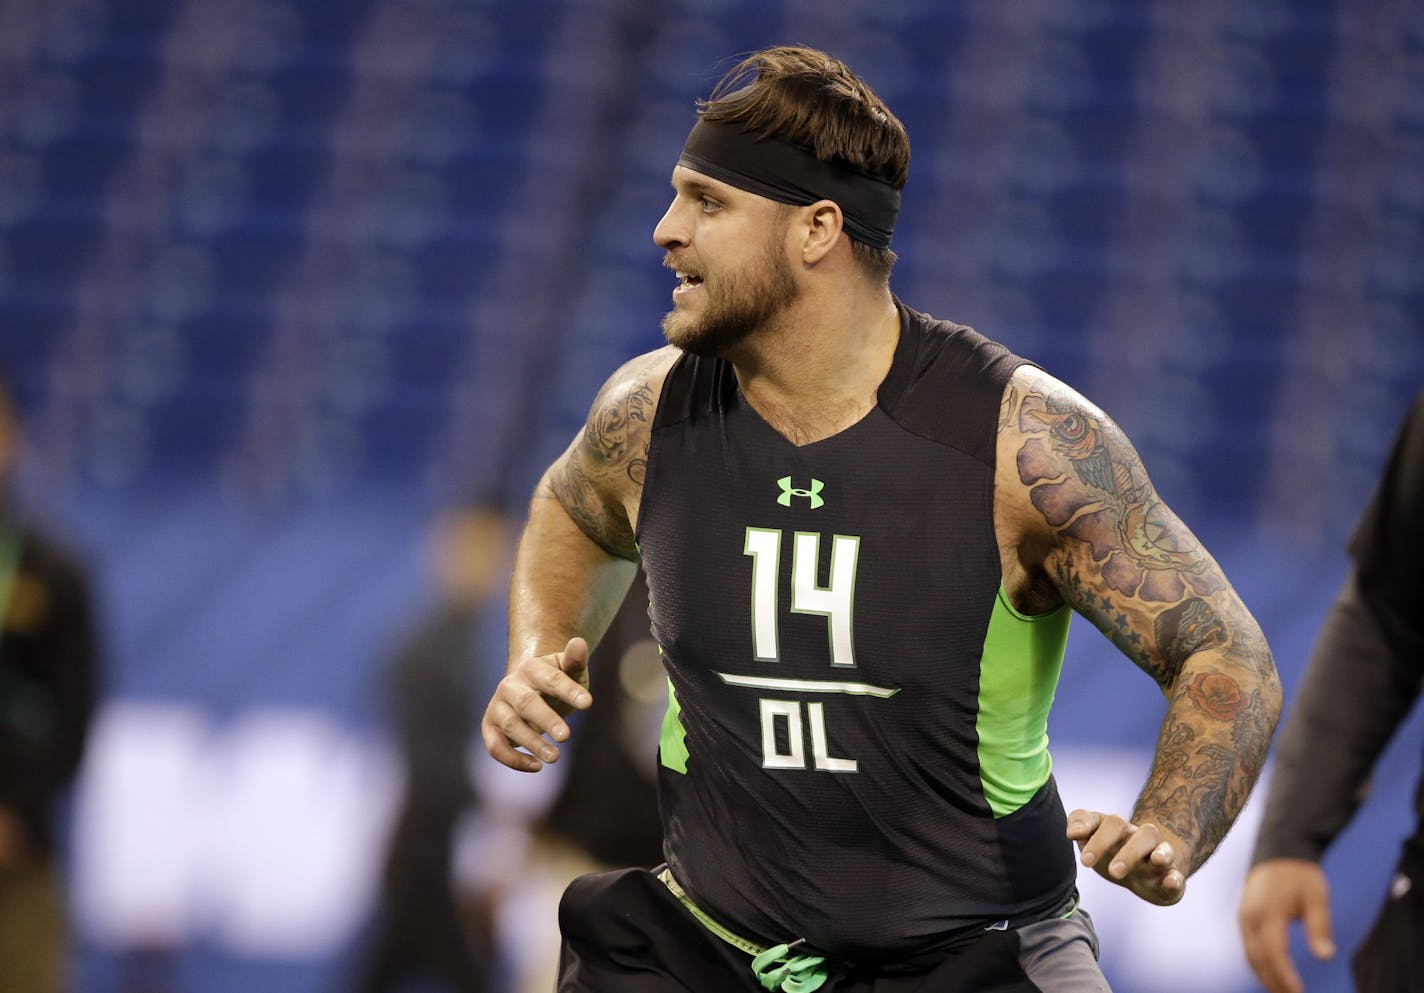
(576, 559)
(1086, 526)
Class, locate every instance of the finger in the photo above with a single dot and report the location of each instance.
(1163, 855)
(523, 732)
(527, 693)
(1082, 824)
(1318, 935)
(1164, 858)
(574, 658)
(561, 681)
(1265, 936)
(1268, 952)
(505, 753)
(1135, 853)
(1106, 840)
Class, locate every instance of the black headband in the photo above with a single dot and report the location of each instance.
(787, 174)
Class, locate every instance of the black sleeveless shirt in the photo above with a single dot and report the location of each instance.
(854, 751)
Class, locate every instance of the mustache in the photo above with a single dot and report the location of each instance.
(671, 263)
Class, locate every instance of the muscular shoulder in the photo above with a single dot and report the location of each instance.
(1048, 430)
(599, 478)
(1064, 471)
(623, 410)
(1060, 457)
(1081, 521)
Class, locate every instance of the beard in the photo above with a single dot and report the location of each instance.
(744, 301)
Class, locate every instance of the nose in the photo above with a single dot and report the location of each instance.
(671, 231)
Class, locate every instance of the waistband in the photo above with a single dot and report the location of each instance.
(783, 967)
(778, 967)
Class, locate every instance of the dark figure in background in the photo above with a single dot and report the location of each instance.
(48, 685)
(607, 805)
(1364, 676)
(605, 813)
(423, 926)
(864, 531)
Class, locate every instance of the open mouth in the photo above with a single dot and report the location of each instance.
(687, 279)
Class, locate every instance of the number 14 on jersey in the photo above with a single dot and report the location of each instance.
(834, 601)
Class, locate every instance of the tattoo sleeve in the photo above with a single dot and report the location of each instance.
(1122, 559)
(605, 466)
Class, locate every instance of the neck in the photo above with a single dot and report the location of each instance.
(817, 368)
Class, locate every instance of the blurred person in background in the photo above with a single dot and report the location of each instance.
(455, 869)
(607, 805)
(863, 531)
(605, 813)
(49, 672)
(426, 925)
(1363, 678)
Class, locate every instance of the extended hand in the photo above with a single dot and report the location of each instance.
(1277, 892)
(1145, 858)
(531, 701)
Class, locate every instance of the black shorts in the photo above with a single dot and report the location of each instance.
(624, 932)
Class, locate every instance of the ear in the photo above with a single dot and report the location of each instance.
(823, 230)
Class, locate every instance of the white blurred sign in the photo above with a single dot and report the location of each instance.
(265, 833)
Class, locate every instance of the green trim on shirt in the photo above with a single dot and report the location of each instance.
(1018, 677)
(672, 746)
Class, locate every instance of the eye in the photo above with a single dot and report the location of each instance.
(708, 205)
(1072, 426)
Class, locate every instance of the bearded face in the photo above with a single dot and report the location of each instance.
(736, 301)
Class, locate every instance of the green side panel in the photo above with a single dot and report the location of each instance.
(672, 746)
(1018, 677)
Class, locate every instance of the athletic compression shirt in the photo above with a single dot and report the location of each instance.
(855, 748)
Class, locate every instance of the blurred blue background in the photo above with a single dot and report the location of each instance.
(280, 279)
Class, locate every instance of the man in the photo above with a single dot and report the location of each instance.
(863, 530)
(48, 675)
(1363, 678)
(423, 926)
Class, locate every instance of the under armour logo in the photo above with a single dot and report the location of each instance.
(788, 491)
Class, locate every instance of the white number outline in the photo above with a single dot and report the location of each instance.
(835, 601)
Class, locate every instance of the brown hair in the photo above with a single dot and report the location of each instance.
(813, 100)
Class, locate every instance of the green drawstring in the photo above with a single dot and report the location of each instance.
(792, 973)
